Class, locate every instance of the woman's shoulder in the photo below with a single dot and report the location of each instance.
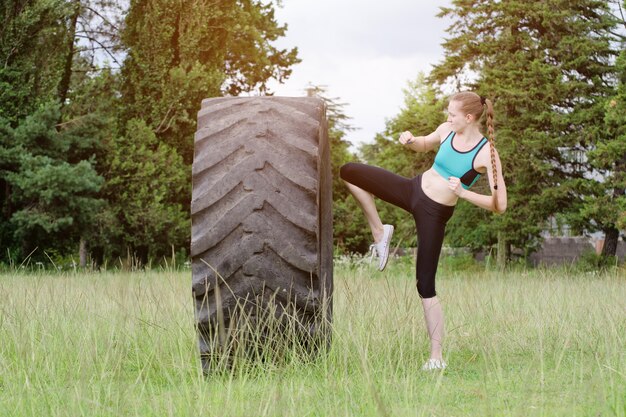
(483, 157)
(443, 131)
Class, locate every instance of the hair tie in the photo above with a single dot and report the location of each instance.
(483, 100)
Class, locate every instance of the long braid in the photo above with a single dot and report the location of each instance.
(492, 150)
(474, 104)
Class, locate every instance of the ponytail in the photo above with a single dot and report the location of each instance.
(492, 150)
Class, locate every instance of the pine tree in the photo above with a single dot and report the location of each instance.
(602, 206)
(43, 148)
(547, 67)
(53, 200)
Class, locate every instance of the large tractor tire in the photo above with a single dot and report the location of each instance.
(261, 212)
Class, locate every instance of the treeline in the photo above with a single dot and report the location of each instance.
(98, 104)
(556, 71)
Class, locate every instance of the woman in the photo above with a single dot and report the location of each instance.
(430, 197)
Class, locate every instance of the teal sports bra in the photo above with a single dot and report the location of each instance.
(452, 163)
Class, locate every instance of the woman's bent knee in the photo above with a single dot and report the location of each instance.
(346, 170)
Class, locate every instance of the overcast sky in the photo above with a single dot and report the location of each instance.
(363, 51)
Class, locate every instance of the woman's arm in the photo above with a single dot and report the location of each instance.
(423, 143)
(481, 200)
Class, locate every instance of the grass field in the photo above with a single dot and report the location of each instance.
(523, 343)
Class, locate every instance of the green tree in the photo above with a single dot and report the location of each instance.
(602, 206)
(547, 67)
(609, 157)
(176, 55)
(143, 176)
(32, 41)
(91, 30)
(53, 200)
(180, 52)
(43, 148)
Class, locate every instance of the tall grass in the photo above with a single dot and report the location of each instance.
(521, 343)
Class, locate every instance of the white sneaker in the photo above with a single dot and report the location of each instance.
(433, 364)
(381, 249)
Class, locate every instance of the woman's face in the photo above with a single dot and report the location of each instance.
(456, 118)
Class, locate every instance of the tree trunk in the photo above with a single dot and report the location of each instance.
(504, 250)
(611, 234)
(64, 84)
(175, 43)
(82, 253)
(5, 193)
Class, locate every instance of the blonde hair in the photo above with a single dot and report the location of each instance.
(472, 103)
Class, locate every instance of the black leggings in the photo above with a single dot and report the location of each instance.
(430, 217)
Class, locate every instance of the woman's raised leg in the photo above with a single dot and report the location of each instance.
(365, 182)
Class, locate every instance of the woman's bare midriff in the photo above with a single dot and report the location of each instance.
(436, 188)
